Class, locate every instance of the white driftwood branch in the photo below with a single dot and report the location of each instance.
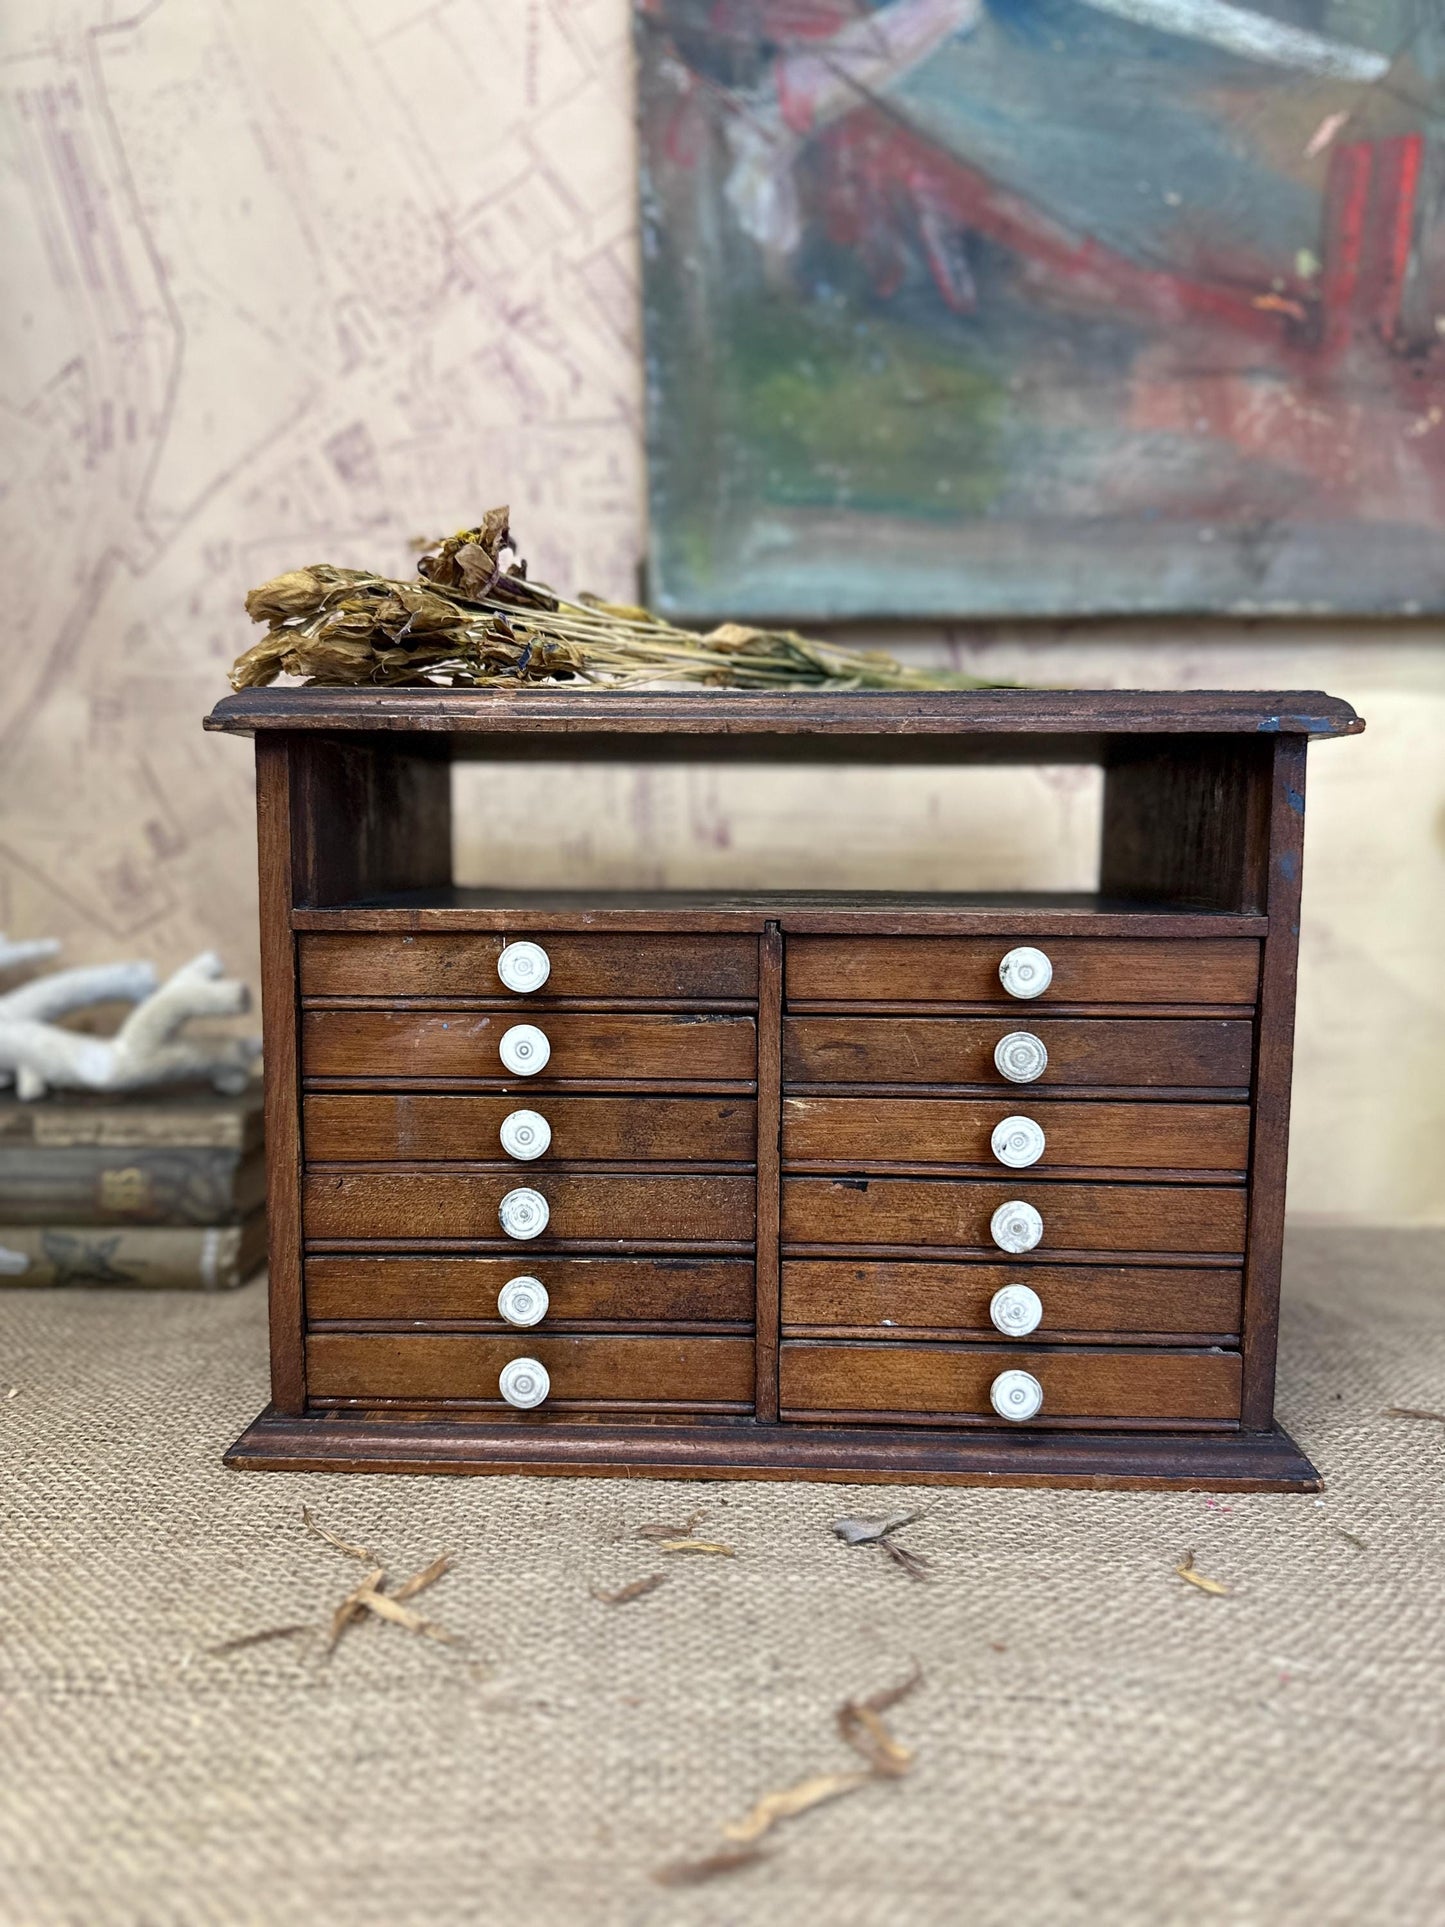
(145, 1051)
(36, 950)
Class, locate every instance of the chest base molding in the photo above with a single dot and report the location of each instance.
(1141, 1461)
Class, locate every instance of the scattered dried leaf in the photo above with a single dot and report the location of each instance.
(791, 1801)
(887, 1696)
(867, 1532)
(240, 1644)
(913, 1563)
(696, 1545)
(671, 1532)
(351, 1608)
(1413, 1411)
(636, 1589)
(1217, 1587)
(863, 1729)
(387, 1606)
(428, 1576)
(319, 1531)
(691, 1873)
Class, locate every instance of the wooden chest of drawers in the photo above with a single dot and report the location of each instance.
(927, 1188)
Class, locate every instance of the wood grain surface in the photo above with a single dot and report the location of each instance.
(1150, 1053)
(955, 1212)
(944, 1130)
(964, 970)
(805, 716)
(951, 1382)
(656, 1291)
(583, 965)
(594, 1046)
(635, 1209)
(585, 1370)
(367, 1127)
(828, 1297)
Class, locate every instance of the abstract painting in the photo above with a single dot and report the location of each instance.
(1044, 307)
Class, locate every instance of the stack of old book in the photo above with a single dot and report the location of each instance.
(164, 1189)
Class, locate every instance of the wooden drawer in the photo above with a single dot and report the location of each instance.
(704, 1374)
(949, 1384)
(964, 970)
(583, 1291)
(955, 1213)
(1077, 1135)
(607, 1047)
(1117, 1053)
(640, 1210)
(355, 1127)
(876, 1297)
(646, 967)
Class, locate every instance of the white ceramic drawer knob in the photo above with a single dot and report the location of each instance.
(1016, 1226)
(1026, 973)
(1016, 1396)
(525, 1134)
(1016, 1310)
(1018, 1142)
(1021, 1057)
(524, 1049)
(524, 1214)
(523, 1301)
(524, 1383)
(525, 967)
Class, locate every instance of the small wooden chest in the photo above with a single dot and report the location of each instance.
(928, 1188)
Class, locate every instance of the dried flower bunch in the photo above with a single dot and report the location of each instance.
(470, 622)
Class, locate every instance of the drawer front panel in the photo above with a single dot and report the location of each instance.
(595, 1046)
(902, 1300)
(634, 1210)
(964, 970)
(950, 1383)
(1153, 1053)
(950, 1130)
(582, 965)
(640, 1291)
(426, 1366)
(955, 1212)
(353, 1127)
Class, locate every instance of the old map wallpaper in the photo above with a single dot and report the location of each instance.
(286, 283)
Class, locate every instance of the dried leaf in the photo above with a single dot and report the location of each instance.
(691, 1873)
(428, 1576)
(386, 1606)
(913, 1563)
(256, 1639)
(1413, 1411)
(319, 1531)
(887, 1696)
(696, 1545)
(450, 627)
(867, 1532)
(351, 1608)
(1185, 1570)
(1351, 1538)
(671, 1532)
(863, 1729)
(791, 1801)
(636, 1589)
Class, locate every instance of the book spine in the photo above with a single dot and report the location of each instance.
(95, 1186)
(173, 1257)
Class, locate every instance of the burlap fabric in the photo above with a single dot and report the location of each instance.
(1096, 1741)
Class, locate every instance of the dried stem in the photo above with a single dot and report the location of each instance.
(465, 623)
